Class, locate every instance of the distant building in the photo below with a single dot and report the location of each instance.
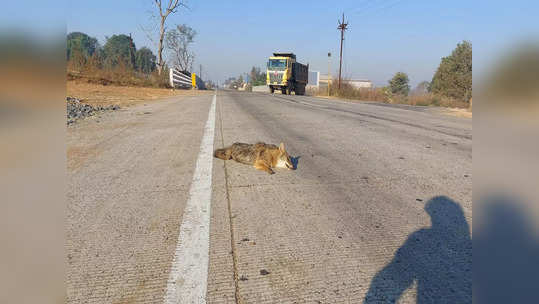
(314, 79)
(358, 83)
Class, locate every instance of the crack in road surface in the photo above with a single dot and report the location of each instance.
(237, 295)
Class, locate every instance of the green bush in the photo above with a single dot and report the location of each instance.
(120, 48)
(400, 84)
(145, 60)
(81, 44)
(453, 78)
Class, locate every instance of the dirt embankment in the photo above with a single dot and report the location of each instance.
(123, 96)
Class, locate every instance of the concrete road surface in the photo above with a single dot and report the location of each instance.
(378, 210)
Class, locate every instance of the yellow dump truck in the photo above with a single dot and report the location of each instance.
(285, 74)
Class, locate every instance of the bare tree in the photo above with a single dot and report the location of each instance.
(164, 12)
(177, 41)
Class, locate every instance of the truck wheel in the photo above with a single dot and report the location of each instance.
(271, 90)
(283, 91)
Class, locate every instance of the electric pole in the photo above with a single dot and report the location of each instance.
(342, 27)
(200, 72)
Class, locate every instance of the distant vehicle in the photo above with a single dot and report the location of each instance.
(285, 74)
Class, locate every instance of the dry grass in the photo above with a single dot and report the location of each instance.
(459, 112)
(98, 94)
(92, 71)
(120, 77)
(348, 91)
(433, 100)
(89, 81)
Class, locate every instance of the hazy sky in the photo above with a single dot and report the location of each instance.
(384, 36)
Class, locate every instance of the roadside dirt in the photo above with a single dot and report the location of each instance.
(458, 112)
(105, 95)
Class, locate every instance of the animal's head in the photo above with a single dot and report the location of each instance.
(284, 160)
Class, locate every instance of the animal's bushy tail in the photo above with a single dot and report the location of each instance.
(222, 153)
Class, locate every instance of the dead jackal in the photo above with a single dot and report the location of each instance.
(261, 155)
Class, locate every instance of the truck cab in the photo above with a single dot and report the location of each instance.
(285, 74)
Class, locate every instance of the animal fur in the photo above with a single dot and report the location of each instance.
(262, 156)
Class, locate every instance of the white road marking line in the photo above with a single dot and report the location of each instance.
(188, 278)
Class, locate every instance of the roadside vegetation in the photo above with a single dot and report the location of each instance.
(118, 62)
(235, 83)
(451, 85)
(256, 77)
(177, 43)
(118, 73)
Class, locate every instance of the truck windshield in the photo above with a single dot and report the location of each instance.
(277, 64)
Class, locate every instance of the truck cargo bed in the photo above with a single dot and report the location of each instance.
(300, 72)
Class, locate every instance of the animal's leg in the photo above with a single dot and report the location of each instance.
(261, 165)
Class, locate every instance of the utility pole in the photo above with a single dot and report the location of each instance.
(329, 70)
(200, 72)
(342, 27)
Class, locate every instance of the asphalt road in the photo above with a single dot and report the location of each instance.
(379, 208)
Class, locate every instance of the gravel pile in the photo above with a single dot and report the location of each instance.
(76, 109)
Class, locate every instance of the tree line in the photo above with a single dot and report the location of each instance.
(119, 57)
(452, 79)
(256, 77)
(120, 50)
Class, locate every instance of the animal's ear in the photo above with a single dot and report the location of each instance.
(281, 147)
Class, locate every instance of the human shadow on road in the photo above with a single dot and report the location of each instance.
(438, 259)
(295, 161)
